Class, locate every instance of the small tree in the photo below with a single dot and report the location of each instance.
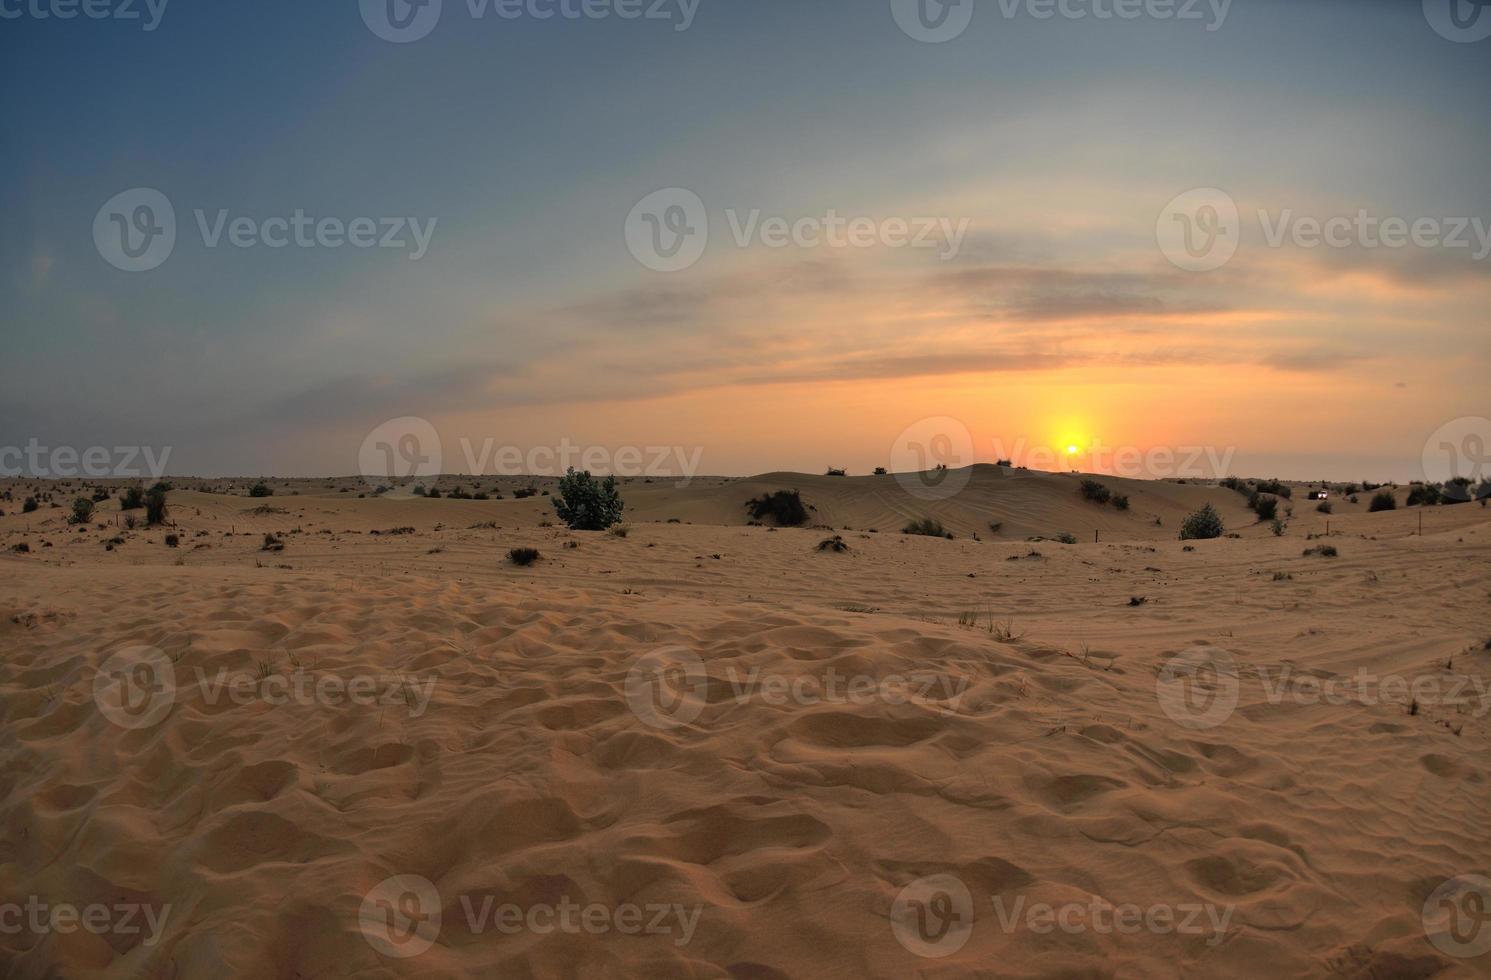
(1205, 524)
(155, 505)
(1267, 508)
(1383, 501)
(587, 505)
(82, 511)
(133, 499)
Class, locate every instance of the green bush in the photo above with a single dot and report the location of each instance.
(926, 526)
(1324, 507)
(784, 506)
(1205, 524)
(1094, 491)
(133, 499)
(523, 556)
(1267, 508)
(1383, 501)
(260, 489)
(29, 506)
(1121, 501)
(586, 504)
(1276, 488)
(82, 511)
(1424, 494)
(155, 506)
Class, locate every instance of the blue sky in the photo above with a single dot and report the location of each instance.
(527, 142)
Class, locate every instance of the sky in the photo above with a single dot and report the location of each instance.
(773, 235)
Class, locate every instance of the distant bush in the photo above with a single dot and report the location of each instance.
(82, 511)
(1383, 501)
(835, 543)
(1276, 488)
(836, 472)
(523, 493)
(1278, 528)
(523, 556)
(1368, 486)
(155, 506)
(133, 499)
(880, 471)
(1066, 537)
(1424, 494)
(172, 541)
(784, 506)
(1205, 524)
(100, 495)
(433, 493)
(260, 489)
(1324, 507)
(1121, 501)
(586, 504)
(1267, 508)
(29, 505)
(419, 490)
(1323, 550)
(1004, 462)
(926, 526)
(1094, 491)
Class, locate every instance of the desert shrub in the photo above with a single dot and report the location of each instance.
(1368, 486)
(419, 490)
(29, 505)
(155, 506)
(272, 543)
(1203, 525)
(523, 556)
(131, 522)
(587, 504)
(1094, 491)
(1324, 507)
(133, 499)
(1424, 494)
(172, 541)
(1276, 488)
(1267, 508)
(100, 495)
(459, 493)
(1323, 550)
(835, 472)
(260, 489)
(783, 506)
(1004, 462)
(996, 526)
(523, 493)
(1121, 501)
(433, 493)
(21, 549)
(835, 543)
(1066, 537)
(1278, 527)
(926, 526)
(1382, 501)
(82, 511)
(880, 471)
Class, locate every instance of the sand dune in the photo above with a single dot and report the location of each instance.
(513, 748)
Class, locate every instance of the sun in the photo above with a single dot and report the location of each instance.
(1072, 450)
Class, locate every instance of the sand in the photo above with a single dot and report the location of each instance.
(889, 761)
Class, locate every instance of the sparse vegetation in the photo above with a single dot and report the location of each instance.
(880, 471)
(1324, 507)
(1278, 527)
(1267, 508)
(1121, 501)
(928, 527)
(29, 505)
(523, 556)
(82, 511)
(1095, 492)
(1203, 525)
(1382, 501)
(1066, 537)
(260, 489)
(832, 471)
(272, 543)
(835, 543)
(133, 499)
(155, 506)
(783, 506)
(586, 504)
(1323, 550)
(1424, 495)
